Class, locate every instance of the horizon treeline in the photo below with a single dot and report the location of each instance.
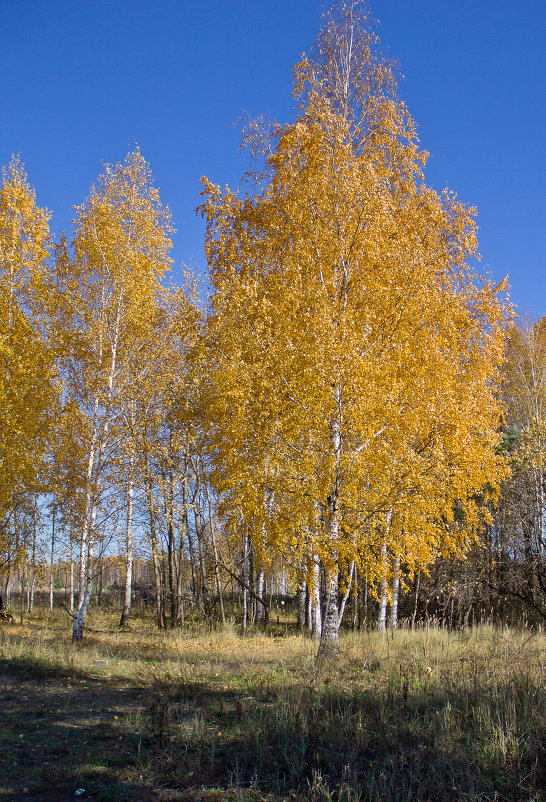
(357, 418)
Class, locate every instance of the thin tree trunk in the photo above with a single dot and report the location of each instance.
(203, 576)
(171, 573)
(301, 599)
(52, 560)
(168, 506)
(22, 587)
(329, 641)
(94, 469)
(195, 569)
(382, 621)
(86, 593)
(395, 594)
(201, 588)
(214, 546)
(356, 601)
(366, 593)
(32, 583)
(245, 579)
(128, 585)
(260, 611)
(316, 617)
(90, 513)
(71, 577)
(414, 616)
(183, 529)
(89, 516)
(153, 539)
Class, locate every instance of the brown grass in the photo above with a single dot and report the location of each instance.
(142, 715)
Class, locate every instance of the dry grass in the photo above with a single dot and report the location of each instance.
(426, 715)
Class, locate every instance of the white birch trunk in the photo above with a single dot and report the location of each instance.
(214, 546)
(382, 621)
(314, 597)
(300, 603)
(260, 584)
(245, 579)
(128, 586)
(52, 561)
(329, 641)
(94, 468)
(71, 583)
(395, 594)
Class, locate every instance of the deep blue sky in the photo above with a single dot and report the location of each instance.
(82, 81)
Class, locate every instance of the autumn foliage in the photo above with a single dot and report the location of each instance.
(335, 410)
(353, 348)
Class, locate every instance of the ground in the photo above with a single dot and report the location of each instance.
(209, 715)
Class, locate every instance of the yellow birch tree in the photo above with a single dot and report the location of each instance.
(354, 349)
(110, 291)
(28, 391)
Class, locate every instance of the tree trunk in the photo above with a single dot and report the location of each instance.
(128, 587)
(81, 613)
(171, 572)
(32, 585)
(329, 642)
(245, 579)
(86, 591)
(90, 511)
(308, 610)
(260, 610)
(395, 594)
(214, 546)
(414, 616)
(316, 617)
(382, 621)
(301, 600)
(22, 577)
(52, 560)
(180, 577)
(203, 574)
(168, 508)
(153, 539)
(356, 602)
(71, 597)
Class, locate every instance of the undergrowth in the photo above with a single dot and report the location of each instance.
(424, 715)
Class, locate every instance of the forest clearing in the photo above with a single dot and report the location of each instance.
(204, 714)
(274, 528)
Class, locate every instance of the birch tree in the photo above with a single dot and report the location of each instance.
(354, 348)
(28, 388)
(110, 289)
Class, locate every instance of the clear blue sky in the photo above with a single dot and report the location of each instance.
(82, 81)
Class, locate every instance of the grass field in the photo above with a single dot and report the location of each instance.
(198, 715)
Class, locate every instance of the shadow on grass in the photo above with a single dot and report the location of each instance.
(337, 745)
(63, 729)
